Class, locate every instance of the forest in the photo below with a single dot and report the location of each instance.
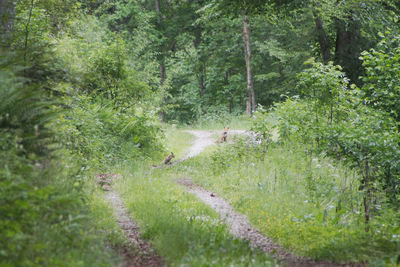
(94, 96)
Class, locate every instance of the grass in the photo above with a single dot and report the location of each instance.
(310, 205)
(178, 141)
(241, 122)
(303, 203)
(181, 228)
(105, 221)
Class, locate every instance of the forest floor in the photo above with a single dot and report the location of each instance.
(237, 223)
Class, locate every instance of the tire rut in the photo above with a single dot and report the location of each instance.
(139, 252)
(238, 223)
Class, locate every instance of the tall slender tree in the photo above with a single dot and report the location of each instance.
(7, 13)
(250, 101)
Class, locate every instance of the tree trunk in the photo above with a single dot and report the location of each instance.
(347, 51)
(367, 197)
(7, 13)
(162, 81)
(161, 59)
(158, 8)
(322, 39)
(201, 81)
(201, 70)
(250, 101)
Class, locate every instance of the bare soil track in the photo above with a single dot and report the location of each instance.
(238, 223)
(139, 252)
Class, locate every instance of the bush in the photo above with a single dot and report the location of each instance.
(381, 86)
(44, 220)
(101, 135)
(337, 121)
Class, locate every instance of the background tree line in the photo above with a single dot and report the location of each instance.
(216, 56)
(224, 57)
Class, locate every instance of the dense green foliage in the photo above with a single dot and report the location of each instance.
(44, 217)
(354, 127)
(71, 107)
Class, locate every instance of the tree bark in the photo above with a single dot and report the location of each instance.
(201, 81)
(158, 9)
(7, 13)
(250, 101)
(347, 51)
(367, 197)
(161, 59)
(162, 82)
(322, 39)
(201, 70)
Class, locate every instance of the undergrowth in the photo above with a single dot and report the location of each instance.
(213, 122)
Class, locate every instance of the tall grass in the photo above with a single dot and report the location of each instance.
(213, 122)
(178, 141)
(307, 203)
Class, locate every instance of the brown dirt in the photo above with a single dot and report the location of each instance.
(138, 252)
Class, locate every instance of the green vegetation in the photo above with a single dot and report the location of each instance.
(45, 218)
(58, 128)
(181, 228)
(90, 88)
(177, 141)
(307, 203)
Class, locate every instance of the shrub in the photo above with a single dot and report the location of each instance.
(382, 76)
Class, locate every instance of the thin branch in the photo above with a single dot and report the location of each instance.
(27, 30)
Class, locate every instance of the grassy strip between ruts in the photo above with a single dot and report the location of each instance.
(310, 205)
(105, 221)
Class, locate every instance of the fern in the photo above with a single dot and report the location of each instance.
(24, 112)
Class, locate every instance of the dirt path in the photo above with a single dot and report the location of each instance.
(203, 140)
(139, 252)
(238, 223)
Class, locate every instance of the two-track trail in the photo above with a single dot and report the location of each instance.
(143, 254)
(239, 226)
(238, 223)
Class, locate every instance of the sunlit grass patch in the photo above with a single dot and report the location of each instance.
(178, 142)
